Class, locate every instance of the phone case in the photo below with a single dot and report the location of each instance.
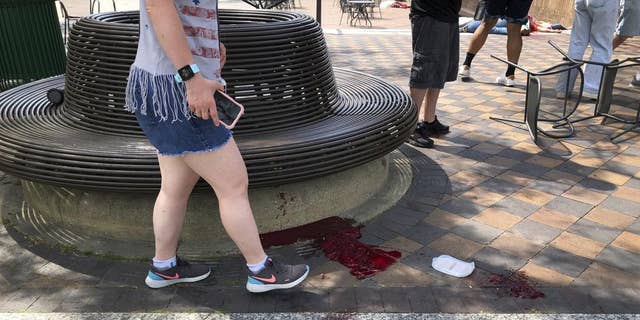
(229, 110)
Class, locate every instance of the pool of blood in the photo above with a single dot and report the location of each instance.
(516, 285)
(338, 239)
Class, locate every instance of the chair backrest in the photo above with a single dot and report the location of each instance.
(95, 6)
(534, 94)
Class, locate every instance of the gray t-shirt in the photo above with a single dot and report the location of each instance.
(200, 22)
(151, 84)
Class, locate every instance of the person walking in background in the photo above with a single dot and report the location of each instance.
(436, 46)
(171, 85)
(516, 12)
(628, 27)
(593, 24)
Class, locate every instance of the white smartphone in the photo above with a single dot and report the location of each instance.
(229, 110)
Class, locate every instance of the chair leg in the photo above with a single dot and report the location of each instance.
(634, 126)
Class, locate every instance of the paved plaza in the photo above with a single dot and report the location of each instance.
(564, 211)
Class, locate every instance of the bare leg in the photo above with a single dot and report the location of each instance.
(479, 37)
(225, 171)
(430, 104)
(171, 204)
(514, 43)
(618, 40)
(417, 95)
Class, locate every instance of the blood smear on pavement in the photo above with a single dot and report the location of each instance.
(338, 239)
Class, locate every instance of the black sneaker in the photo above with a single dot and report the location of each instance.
(183, 271)
(432, 129)
(416, 139)
(276, 275)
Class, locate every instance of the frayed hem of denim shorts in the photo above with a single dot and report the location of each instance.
(184, 153)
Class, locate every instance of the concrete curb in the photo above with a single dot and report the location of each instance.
(295, 316)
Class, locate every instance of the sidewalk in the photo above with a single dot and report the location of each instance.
(566, 212)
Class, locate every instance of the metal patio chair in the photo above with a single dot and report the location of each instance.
(605, 93)
(534, 94)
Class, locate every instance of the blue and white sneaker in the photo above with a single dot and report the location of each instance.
(183, 271)
(275, 275)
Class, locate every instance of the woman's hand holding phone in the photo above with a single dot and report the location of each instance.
(200, 97)
(229, 110)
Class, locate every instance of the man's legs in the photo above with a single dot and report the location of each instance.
(416, 139)
(430, 104)
(578, 43)
(427, 107)
(478, 40)
(628, 27)
(514, 46)
(479, 37)
(517, 14)
(418, 95)
(601, 39)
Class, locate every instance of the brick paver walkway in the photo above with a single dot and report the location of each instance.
(566, 211)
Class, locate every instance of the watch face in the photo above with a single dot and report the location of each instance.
(186, 73)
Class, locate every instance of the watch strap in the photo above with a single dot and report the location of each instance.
(194, 69)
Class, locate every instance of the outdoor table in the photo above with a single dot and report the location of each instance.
(359, 11)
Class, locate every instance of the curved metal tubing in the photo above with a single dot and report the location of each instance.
(304, 119)
(534, 92)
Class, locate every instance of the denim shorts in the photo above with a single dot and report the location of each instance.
(177, 138)
(160, 107)
(514, 11)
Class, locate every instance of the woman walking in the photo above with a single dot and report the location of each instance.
(171, 85)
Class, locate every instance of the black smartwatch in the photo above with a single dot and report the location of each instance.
(187, 72)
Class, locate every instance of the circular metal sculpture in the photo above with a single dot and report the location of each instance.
(317, 136)
(303, 118)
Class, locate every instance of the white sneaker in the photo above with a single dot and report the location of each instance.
(636, 81)
(465, 72)
(507, 82)
(589, 95)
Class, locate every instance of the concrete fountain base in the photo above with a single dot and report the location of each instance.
(119, 224)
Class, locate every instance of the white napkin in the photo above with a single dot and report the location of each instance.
(452, 266)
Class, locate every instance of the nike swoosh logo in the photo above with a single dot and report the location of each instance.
(174, 277)
(268, 280)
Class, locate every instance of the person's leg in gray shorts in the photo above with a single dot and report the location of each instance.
(436, 46)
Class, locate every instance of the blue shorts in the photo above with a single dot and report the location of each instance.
(514, 11)
(160, 107)
(629, 22)
(177, 138)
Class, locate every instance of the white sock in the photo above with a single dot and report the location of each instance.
(255, 268)
(164, 264)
